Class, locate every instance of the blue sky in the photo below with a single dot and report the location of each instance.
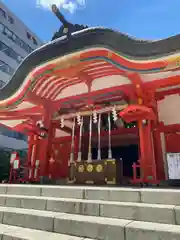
(149, 19)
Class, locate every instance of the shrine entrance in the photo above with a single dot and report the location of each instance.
(92, 153)
(124, 150)
(128, 155)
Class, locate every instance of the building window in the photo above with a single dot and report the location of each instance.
(2, 46)
(2, 83)
(28, 35)
(34, 41)
(3, 13)
(8, 33)
(10, 52)
(10, 19)
(19, 58)
(6, 68)
(15, 38)
(1, 28)
(21, 43)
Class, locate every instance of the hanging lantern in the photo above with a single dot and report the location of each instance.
(62, 122)
(78, 119)
(95, 117)
(114, 114)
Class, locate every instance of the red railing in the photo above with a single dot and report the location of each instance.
(24, 174)
(141, 178)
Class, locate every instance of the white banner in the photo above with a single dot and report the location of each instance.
(173, 162)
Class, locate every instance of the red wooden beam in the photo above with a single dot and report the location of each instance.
(64, 129)
(33, 98)
(62, 139)
(126, 90)
(173, 128)
(118, 131)
(162, 94)
(22, 113)
(163, 83)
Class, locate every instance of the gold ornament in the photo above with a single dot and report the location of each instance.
(81, 168)
(173, 63)
(178, 61)
(99, 168)
(89, 167)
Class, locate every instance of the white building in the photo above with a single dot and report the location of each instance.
(16, 42)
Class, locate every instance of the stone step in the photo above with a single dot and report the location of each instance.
(169, 214)
(151, 231)
(63, 223)
(21, 222)
(8, 232)
(153, 196)
(84, 192)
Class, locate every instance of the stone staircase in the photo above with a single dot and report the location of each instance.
(39, 212)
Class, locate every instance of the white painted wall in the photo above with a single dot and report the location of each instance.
(169, 109)
(108, 82)
(60, 133)
(73, 90)
(97, 84)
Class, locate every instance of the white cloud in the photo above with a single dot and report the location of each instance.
(70, 5)
(81, 2)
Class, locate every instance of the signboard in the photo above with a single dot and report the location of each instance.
(173, 163)
(16, 164)
(14, 160)
(13, 157)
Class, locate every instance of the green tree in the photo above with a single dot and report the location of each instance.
(4, 165)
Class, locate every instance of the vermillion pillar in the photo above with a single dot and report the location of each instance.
(44, 152)
(44, 145)
(31, 142)
(158, 155)
(147, 161)
(32, 153)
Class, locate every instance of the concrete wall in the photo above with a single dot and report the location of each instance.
(20, 30)
(18, 27)
(169, 109)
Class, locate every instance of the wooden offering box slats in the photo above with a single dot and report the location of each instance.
(98, 172)
(90, 173)
(113, 171)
